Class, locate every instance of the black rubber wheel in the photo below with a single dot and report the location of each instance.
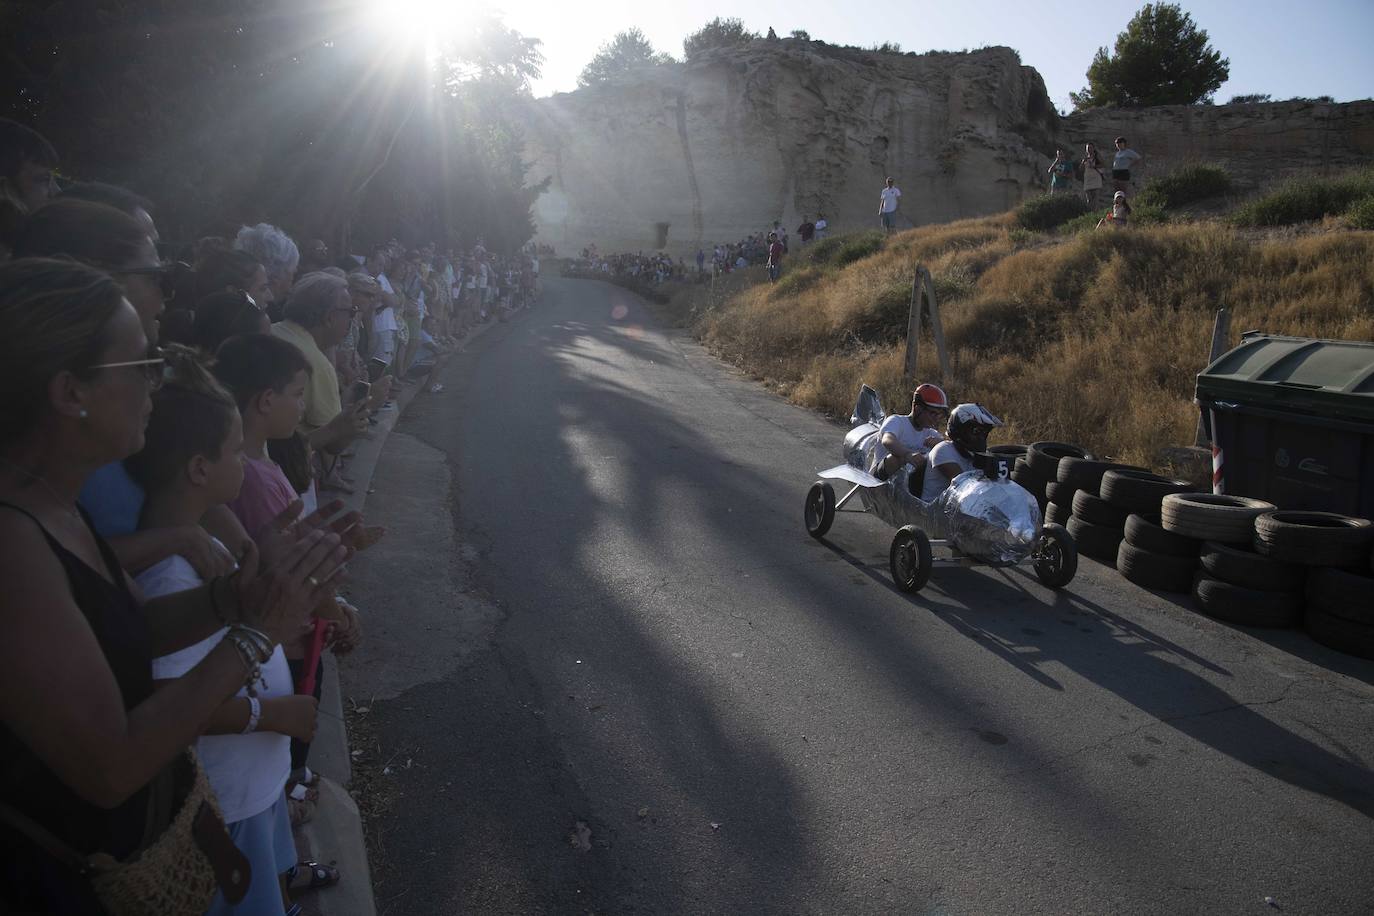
(910, 559)
(1056, 557)
(819, 513)
(1043, 457)
(1349, 596)
(1314, 538)
(1147, 534)
(1021, 464)
(1340, 634)
(1155, 570)
(1212, 517)
(1094, 509)
(1139, 491)
(1096, 541)
(1057, 492)
(1086, 474)
(1246, 606)
(1057, 514)
(1009, 451)
(1241, 566)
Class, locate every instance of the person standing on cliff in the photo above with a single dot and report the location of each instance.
(887, 204)
(821, 226)
(775, 252)
(1123, 162)
(1061, 173)
(806, 230)
(1092, 174)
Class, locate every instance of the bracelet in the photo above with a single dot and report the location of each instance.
(254, 715)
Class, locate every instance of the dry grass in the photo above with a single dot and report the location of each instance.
(1094, 338)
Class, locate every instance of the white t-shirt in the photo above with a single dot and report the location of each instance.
(890, 196)
(821, 224)
(247, 772)
(944, 453)
(384, 318)
(1125, 159)
(907, 434)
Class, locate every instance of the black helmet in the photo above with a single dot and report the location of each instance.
(969, 425)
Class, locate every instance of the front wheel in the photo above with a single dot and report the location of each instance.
(910, 559)
(1056, 556)
(820, 508)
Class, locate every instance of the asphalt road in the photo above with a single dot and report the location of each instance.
(611, 673)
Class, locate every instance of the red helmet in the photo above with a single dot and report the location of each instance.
(931, 396)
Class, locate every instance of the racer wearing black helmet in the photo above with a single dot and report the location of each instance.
(969, 425)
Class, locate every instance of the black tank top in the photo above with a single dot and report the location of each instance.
(28, 785)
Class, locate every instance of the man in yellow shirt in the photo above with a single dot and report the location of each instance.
(318, 314)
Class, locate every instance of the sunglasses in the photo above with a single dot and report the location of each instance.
(167, 272)
(152, 368)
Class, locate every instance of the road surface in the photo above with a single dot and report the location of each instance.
(607, 671)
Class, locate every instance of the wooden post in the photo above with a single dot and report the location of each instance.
(1221, 336)
(913, 326)
(923, 299)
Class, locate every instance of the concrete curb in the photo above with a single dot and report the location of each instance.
(335, 834)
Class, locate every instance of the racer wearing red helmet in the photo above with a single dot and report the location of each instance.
(907, 439)
(969, 425)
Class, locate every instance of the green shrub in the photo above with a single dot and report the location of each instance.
(1049, 211)
(886, 320)
(840, 250)
(1361, 213)
(1306, 199)
(795, 281)
(1085, 223)
(954, 284)
(1186, 185)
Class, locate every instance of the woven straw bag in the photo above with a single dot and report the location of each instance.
(173, 875)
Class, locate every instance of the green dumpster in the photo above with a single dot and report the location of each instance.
(1292, 421)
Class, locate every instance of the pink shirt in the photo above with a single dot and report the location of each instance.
(266, 493)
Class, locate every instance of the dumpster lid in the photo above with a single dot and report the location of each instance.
(1300, 374)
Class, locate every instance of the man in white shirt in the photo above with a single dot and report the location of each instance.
(1124, 160)
(907, 438)
(887, 204)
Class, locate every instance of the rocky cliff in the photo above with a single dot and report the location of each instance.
(690, 154)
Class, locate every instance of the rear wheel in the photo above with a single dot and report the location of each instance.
(910, 559)
(1056, 557)
(820, 508)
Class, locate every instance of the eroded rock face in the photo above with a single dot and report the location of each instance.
(1256, 143)
(694, 154)
(720, 148)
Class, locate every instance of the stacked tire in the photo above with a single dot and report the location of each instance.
(1042, 474)
(1337, 603)
(1148, 555)
(1097, 525)
(1234, 584)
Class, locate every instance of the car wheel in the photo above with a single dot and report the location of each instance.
(1155, 570)
(1313, 538)
(820, 508)
(1242, 566)
(910, 559)
(1148, 535)
(1056, 557)
(1248, 607)
(1212, 516)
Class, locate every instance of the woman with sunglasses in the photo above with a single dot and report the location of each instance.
(86, 741)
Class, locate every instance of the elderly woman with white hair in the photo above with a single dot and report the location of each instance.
(278, 255)
(318, 314)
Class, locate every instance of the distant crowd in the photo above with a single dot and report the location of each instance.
(1090, 174)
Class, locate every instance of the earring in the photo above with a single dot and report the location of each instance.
(83, 415)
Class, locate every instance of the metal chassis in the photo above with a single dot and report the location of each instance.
(956, 557)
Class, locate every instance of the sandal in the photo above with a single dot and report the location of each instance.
(303, 792)
(319, 876)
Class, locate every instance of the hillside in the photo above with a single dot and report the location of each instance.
(1090, 337)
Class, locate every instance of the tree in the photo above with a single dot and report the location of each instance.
(627, 51)
(718, 33)
(1250, 98)
(1162, 58)
(801, 34)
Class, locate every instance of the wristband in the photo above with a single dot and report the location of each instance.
(254, 715)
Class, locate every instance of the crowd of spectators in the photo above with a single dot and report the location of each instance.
(170, 564)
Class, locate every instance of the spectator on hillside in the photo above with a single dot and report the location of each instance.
(91, 761)
(275, 251)
(27, 161)
(701, 261)
(1091, 166)
(1061, 173)
(1119, 216)
(806, 230)
(821, 226)
(775, 253)
(887, 204)
(1124, 162)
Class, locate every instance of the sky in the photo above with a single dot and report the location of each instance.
(1282, 47)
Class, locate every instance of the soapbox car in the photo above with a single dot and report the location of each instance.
(982, 518)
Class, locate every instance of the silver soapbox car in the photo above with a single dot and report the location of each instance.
(982, 518)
